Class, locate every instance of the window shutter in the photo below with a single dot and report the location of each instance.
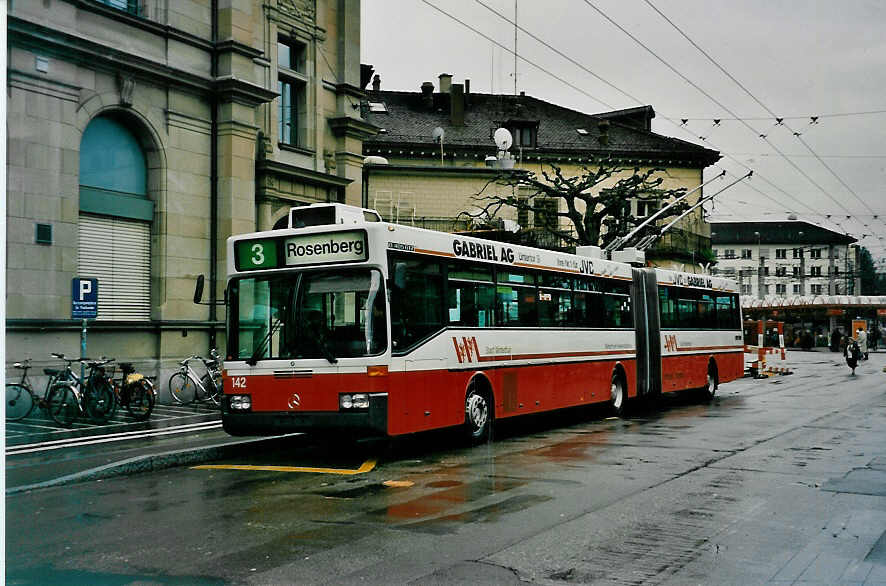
(117, 252)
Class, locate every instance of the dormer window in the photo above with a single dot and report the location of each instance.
(525, 132)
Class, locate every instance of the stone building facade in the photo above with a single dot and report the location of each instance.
(143, 133)
(429, 184)
(785, 259)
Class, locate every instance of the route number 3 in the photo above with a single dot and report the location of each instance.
(258, 254)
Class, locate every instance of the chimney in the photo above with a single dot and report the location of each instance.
(445, 83)
(603, 127)
(427, 95)
(467, 93)
(457, 105)
(376, 83)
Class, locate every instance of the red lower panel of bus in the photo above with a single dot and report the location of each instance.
(423, 400)
(679, 373)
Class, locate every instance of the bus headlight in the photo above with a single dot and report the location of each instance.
(354, 401)
(240, 402)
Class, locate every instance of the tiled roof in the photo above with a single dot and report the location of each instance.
(787, 232)
(408, 122)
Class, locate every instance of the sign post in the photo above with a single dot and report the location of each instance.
(84, 305)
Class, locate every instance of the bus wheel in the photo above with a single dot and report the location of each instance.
(707, 391)
(478, 415)
(618, 395)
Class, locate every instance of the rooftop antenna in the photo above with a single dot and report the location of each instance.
(438, 135)
(515, 47)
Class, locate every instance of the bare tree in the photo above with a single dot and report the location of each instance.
(589, 214)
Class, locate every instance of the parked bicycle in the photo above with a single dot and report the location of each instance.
(186, 386)
(70, 397)
(134, 391)
(21, 397)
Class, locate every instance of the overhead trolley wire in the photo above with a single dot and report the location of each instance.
(710, 97)
(512, 51)
(703, 92)
(779, 121)
(598, 100)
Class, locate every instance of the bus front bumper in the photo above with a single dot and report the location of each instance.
(371, 421)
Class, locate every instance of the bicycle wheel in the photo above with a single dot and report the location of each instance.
(99, 400)
(182, 388)
(62, 404)
(19, 402)
(213, 389)
(141, 400)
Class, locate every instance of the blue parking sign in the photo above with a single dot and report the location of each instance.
(84, 298)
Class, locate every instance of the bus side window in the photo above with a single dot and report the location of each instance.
(416, 307)
(668, 307)
(725, 320)
(471, 296)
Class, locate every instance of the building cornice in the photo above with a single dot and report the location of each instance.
(437, 171)
(352, 127)
(540, 154)
(233, 89)
(78, 49)
(308, 176)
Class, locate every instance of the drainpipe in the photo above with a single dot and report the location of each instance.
(213, 182)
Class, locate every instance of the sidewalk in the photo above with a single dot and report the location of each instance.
(40, 453)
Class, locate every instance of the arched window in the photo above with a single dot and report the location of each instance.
(115, 220)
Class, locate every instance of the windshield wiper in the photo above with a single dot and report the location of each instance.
(260, 349)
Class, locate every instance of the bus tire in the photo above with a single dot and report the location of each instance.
(478, 414)
(618, 395)
(712, 382)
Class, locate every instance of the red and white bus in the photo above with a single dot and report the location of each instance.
(350, 323)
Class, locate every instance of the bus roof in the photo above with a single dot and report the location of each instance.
(384, 237)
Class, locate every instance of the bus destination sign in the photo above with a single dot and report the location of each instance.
(325, 248)
(309, 249)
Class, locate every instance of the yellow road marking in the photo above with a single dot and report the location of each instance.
(363, 469)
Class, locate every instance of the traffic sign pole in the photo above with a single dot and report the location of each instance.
(84, 304)
(82, 354)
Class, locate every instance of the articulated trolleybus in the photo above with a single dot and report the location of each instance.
(344, 322)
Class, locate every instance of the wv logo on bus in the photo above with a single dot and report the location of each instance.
(467, 349)
(671, 343)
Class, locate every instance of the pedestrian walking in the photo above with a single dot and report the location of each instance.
(835, 340)
(874, 338)
(852, 353)
(862, 339)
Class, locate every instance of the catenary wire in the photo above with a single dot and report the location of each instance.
(712, 98)
(765, 107)
(546, 71)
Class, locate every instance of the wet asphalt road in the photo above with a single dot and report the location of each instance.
(778, 481)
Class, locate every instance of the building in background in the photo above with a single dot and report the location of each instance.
(141, 134)
(428, 182)
(785, 259)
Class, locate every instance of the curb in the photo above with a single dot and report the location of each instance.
(151, 463)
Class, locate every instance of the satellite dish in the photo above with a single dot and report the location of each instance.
(503, 139)
(438, 134)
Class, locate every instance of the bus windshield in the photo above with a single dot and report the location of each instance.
(318, 314)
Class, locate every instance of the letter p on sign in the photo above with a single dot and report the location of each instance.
(84, 298)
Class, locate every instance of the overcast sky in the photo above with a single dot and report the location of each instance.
(791, 60)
